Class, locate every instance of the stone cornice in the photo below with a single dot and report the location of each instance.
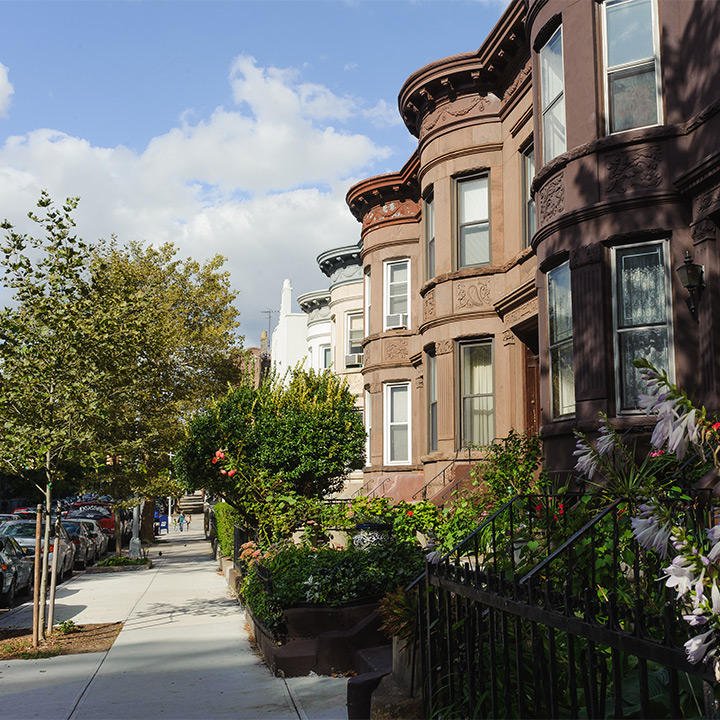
(517, 297)
(381, 191)
(333, 260)
(490, 70)
(310, 301)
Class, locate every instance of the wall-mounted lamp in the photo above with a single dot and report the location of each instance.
(692, 277)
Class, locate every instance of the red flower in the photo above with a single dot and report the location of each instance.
(231, 473)
(409, 512)
(214, 460)
(223, 472)
(555, 516)
(538, 508)
(561, 508)
(716, 426)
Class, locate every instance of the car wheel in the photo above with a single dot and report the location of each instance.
(81, 564)
(67, 571)
(8, 597)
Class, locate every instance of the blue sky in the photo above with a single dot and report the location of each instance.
(230, 127)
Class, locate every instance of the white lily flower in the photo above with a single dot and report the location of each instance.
(586, 458)
(715, 597)
(679, 576)
(650, 533)
(697, 647)
(606, 441)
(696, 618)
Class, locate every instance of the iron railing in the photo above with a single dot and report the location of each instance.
(537, 614)
(443, 473)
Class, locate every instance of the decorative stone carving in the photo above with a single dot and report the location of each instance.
(524, 311)
(346, 274)
(586, 255)
(419, 382)
(474, 294)
(634, 169)
(518, 81)
(369, 354)
(374, 388)
(704, 230)
(396, 350)
(450, 111)
(318, 314)
(703, 203)
(391, 211)
(508, 337)
(551, 198)
(443, 347)
(429, 304)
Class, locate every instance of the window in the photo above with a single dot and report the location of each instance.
(641, 317)
(632, 64)
(528, 158)
(367, 301)
(325, 359)
(368, 426)
(354, 333)
(477, 395)
(552, 97)
(397, 293)
(562, 368)
(429, 215)
(397, 424)
(473, 221)
(432, 401)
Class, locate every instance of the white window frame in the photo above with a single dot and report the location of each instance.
(322, 349)
(368, 427)
(431, 384)
(367, 299)
(526, 154)
(386, 423)
(636, 63)
(554, 101)
(552, 346)
(459, 225)
(429, 202)
(348, 317)
(617, 331)
(386, 290)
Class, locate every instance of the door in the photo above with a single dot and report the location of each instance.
(532, 392)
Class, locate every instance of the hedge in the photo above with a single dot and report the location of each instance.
(226, 517)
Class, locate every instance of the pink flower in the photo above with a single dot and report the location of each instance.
(657, 453)
(223, 472)
(231, 473)
(214, 460)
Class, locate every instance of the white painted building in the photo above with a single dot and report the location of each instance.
(289, 345)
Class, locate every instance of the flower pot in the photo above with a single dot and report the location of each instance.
(371, 533)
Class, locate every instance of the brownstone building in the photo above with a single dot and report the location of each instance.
(480, 317)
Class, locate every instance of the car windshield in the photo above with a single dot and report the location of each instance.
(72, 527)
(24, 530)
(89, 512)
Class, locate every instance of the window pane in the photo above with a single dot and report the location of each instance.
(478, 420)
(551, 69)
(399, 404)
(554, 130)
(563, 380)
(326, 357)
(397, 273)
(474, 244)
(531, 222)
(630, 32)
(398, 303)
(641, 286)
(477, 369)
(650, 344)
(633, 99)
(431, 258)
(474, 200)
(432, 378)
(432, 430)
(399, 443)
(560, 304)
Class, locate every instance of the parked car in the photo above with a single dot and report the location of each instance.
(7, 516)
(102, 512)
(16, 569)
(23, 531)
(84, 546)
(25, 513)
(96, 534)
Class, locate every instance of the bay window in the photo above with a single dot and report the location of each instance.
(353, 340)
(397, 423)
(429, 217)
(552, 97)
(473, 221)
(477, 398)
(632, 64)
(562, 366)
(432, 401)
(641, 317)
(397, 294)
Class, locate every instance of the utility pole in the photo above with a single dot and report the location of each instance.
(269, 314)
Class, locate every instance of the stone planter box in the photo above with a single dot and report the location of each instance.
(95, 570)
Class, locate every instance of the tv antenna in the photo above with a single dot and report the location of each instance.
(269, 314)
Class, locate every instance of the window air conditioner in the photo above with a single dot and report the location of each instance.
(398, 320)
(354, 360)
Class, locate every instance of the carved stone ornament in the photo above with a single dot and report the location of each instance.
(518, 81)
(391, 211)
(429, 305)
(704, 202)
(451, 111)
(551, 198)
(475, 294)
(443, 347)
(508, 337)
(396, 350)
(369, 352)
(419, 382)
(524, 311)
(704, 230)
(374, 388)
(586, 255)
(635, 169)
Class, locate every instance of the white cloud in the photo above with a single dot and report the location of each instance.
(350, 66)
(383, 114)
(263, 183)
(6, 90)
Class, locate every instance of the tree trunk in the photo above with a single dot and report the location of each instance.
(147, 523)
(118, 531)
(45, 559)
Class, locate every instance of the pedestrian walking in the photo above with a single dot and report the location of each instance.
(181, 521)
(188, 518)
(174, 522)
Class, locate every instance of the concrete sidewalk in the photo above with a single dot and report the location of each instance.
(183, 653)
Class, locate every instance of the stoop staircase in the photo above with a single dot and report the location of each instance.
(191, 503)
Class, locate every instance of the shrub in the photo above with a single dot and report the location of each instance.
(226, 517)
(120, 561)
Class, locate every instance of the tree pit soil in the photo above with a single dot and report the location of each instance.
(16, 643)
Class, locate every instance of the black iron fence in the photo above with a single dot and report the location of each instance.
(542, 613)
